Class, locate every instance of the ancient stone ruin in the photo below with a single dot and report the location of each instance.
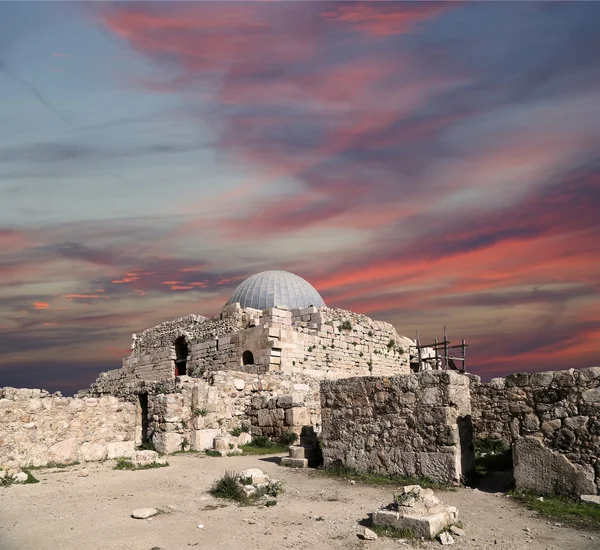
(277, 360)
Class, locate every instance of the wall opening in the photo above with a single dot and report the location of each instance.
(181, 355)
(247, 358)
(143, 408)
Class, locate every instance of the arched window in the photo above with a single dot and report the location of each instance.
(181, 355)
(247, 358)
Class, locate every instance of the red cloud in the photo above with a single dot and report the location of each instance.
(383, 18)
(40, 305)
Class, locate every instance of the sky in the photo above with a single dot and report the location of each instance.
(425, 163)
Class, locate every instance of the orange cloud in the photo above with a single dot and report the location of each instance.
(80, 296)
(41, 305)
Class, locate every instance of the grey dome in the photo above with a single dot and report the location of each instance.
(276, 288)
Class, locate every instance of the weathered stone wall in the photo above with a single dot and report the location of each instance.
(561, 409)
(195, 411)
(416, 424)
(315, 342)
(37, 428)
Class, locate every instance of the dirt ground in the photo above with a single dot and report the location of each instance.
(68, 511)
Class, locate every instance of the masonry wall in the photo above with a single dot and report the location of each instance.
(37, 428)
(559, 409)
(416, 424)
(195, 411)
(315, 342)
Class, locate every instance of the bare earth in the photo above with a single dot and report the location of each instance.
(68, 511)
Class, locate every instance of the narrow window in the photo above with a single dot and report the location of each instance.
(247, 358)
(181, 355)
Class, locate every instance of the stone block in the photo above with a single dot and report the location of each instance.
(294, 462)
(440, 466)
(427, 526)
(255, 475)
(244, 438)
(90, 451)
(297, 416)
(538, 468)
(167, 443)
(120, 448)
(270, 417)
(64, 452)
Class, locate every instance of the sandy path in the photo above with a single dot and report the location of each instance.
(73, 512)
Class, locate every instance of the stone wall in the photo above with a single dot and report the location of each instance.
(560, 409)
(416, 424)
(195, 411)
(37, 428)
(315, 342)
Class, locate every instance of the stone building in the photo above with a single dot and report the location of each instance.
(277, 359)
(259, 361)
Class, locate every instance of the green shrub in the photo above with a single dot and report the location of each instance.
(30, 478)
(212, 452)
(244, 427)
(346, 325)
(228, 488)
(261, 441)
(199, 412)
(287, 438)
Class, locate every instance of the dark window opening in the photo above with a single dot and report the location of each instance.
(181, 355)
(247, 358)
(144, 417)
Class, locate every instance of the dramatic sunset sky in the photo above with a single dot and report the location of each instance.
(423, 163)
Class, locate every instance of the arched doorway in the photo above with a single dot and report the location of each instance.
(181, 355)
(247, 358)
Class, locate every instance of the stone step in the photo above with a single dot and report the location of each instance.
(304, 451)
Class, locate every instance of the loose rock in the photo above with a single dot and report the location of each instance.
(144, 513)
(369, 535)
(446, 538)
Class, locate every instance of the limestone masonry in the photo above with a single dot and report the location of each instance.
(414, 425)
(277, 360)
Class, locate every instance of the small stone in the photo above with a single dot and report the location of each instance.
(83, 473)
(200, 526)
(20, 477)
(144, 513)
(446, 538)
(457, 531)
(369, 535)
(352, 482)
(593, 499)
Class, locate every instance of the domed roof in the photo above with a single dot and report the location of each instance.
(276, 289)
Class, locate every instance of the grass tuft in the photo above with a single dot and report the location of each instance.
(228, 487)
(392, 532)
(54, 465)
(262, 445)
(575, 513)
(380, 479)
(126, 464)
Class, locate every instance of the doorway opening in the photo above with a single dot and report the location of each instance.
(181, 356)
(247, 358)
(143, 408)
